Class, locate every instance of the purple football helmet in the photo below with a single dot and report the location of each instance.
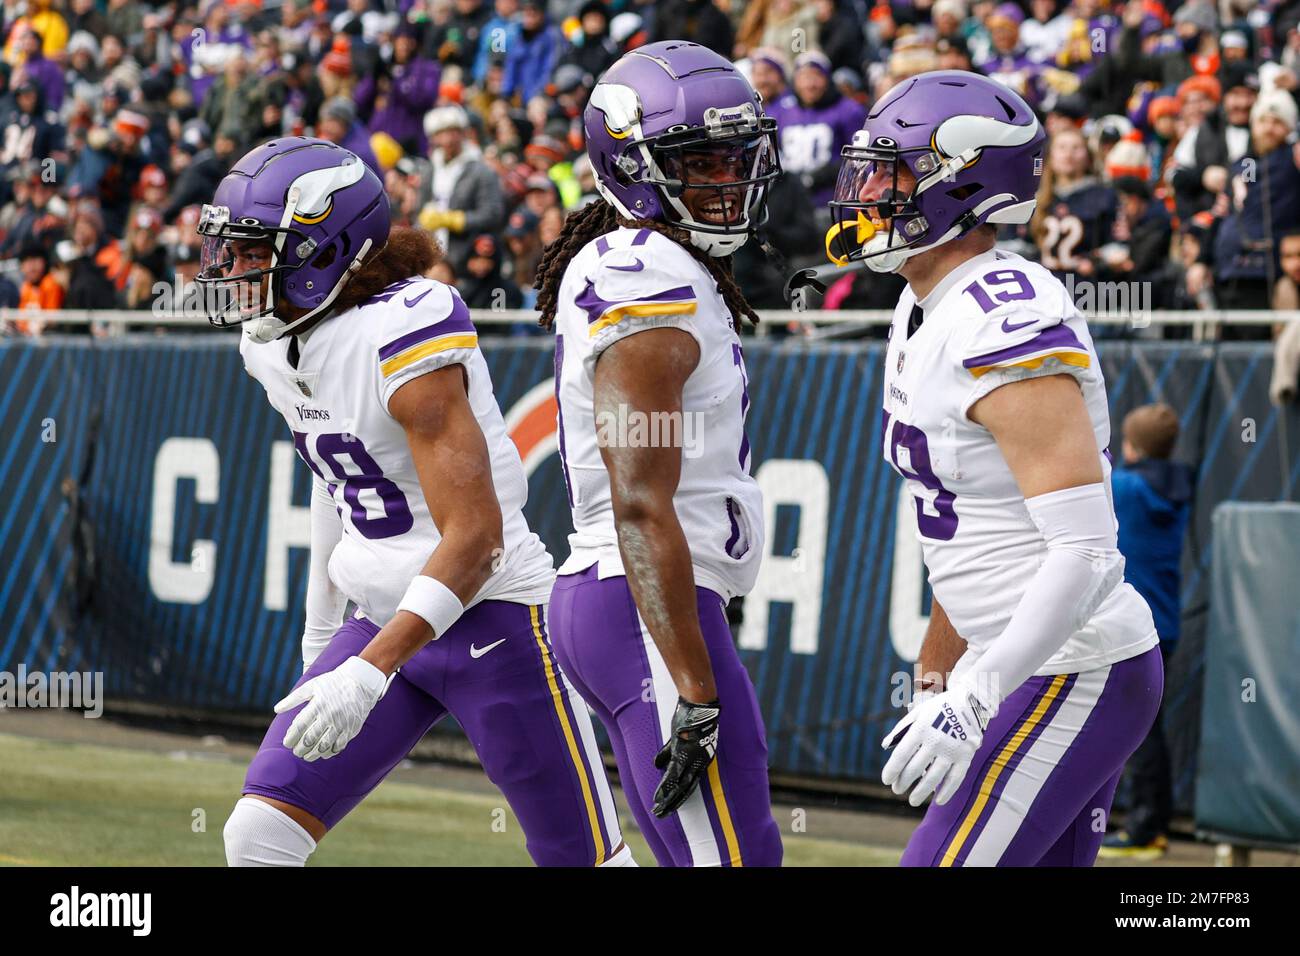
(322, 211)
(974, 147)
(663, 120)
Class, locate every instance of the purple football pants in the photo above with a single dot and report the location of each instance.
(611, 659)
(1039, 790)
(494, 671)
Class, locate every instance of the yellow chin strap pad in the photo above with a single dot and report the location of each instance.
(865, 230)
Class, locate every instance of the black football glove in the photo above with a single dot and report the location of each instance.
(687, 755)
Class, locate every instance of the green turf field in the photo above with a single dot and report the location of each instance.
(76, 804)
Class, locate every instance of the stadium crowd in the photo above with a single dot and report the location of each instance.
(1172, 161)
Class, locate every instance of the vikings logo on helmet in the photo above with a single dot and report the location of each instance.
(974, 147)
(654, 108)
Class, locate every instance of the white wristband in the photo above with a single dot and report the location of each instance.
(434, 601)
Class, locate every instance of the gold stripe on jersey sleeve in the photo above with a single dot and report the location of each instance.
(425, 349)
(614, 316)
(1077, 359)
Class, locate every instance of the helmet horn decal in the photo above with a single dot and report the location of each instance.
(621, 107)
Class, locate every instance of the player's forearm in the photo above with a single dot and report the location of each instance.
(463, 561)
(942, 647)
(657, 560)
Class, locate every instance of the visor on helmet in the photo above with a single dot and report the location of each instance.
(872, 183)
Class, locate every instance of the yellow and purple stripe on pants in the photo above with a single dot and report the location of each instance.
(611, 659)
(525, 721)
(1039, 790)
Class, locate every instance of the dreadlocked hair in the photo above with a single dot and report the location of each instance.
(408, 252)
(597, 218)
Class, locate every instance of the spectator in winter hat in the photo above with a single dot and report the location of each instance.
(146, 260)
(1263, 200)
(1196, 27)
(398, 94)
(482, 285)
(40, 290)
(541, 194)
(947, 17)
(1128, 159)
(815, 112)
(591, 48)
(45, 73)
(533, 49)
(1234, 46)
(769, 73)
(339, 124)
(952, 54)
(465, 198)
(1217, 137)
(525, 246)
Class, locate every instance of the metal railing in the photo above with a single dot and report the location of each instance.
(772, 318)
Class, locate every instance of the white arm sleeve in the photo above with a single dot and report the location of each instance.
(1083, 566)
(325, 603)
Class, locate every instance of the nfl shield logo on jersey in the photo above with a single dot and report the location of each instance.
(901, 356)
(302, 387)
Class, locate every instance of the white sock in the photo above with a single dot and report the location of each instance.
(257, 834)
(622, 858)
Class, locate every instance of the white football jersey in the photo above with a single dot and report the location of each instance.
(622, 283)
(336, 404)
(996, 318)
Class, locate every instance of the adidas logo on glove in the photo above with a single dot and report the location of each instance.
(946, 722)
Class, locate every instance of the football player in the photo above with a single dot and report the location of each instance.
(668, 527)
(995, 415)
(416, 519)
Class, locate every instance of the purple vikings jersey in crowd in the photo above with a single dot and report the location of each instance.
(812, 136)
(1017, 71)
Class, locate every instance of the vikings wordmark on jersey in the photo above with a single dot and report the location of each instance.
(335, 401)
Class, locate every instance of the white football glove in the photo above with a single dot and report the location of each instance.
(340, 701)
(935, 743)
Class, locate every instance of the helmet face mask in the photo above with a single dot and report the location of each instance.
(732, 173)
(878, 182)
(233, 297)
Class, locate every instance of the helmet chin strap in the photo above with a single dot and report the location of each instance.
(716, 245)
(269, 328)
(880, 254)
